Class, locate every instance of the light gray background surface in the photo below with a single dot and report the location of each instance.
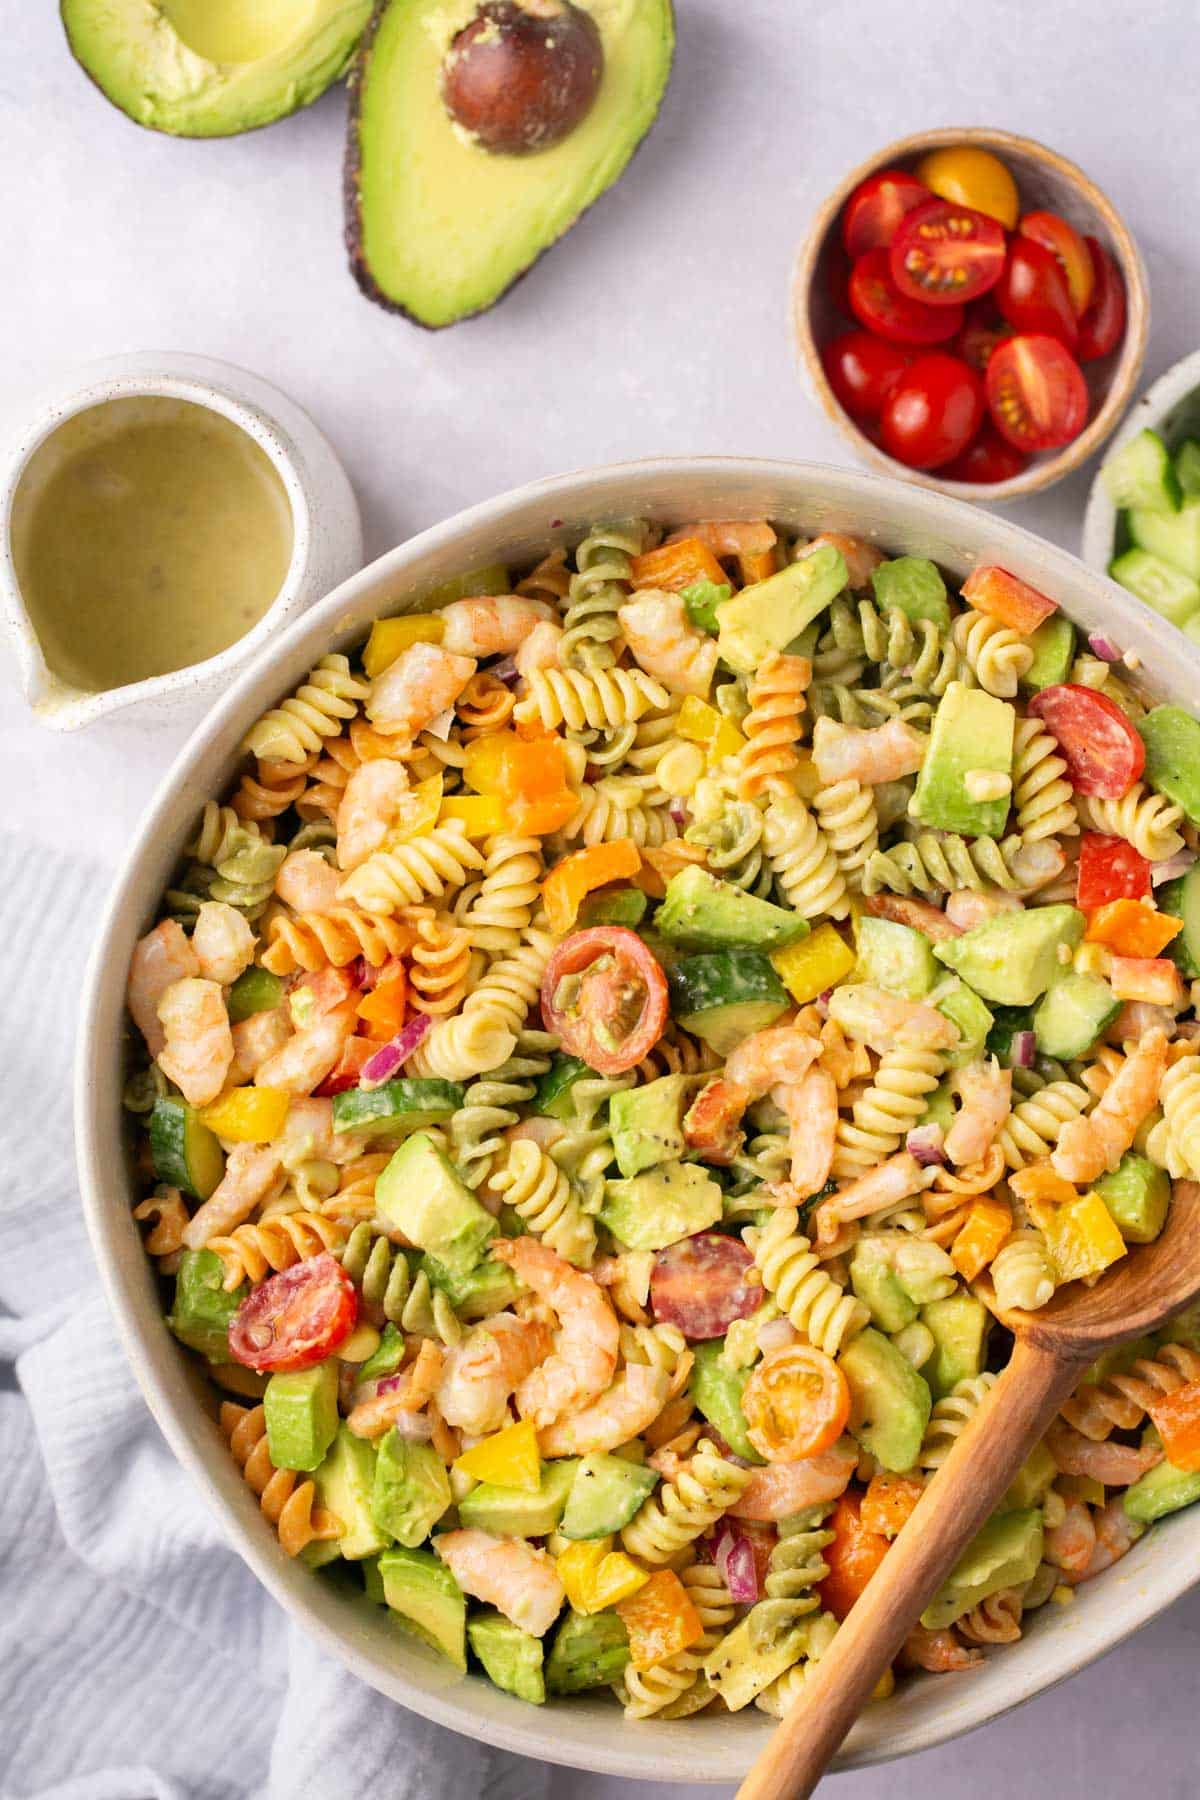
(660, 325)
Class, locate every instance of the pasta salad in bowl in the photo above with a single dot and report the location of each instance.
(618, 1022)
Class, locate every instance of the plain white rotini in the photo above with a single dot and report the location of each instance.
(685, 1506)
(803, 861)
(603, 698)
(1022, 1272)
(511, 892)
(950, 1417)
(318, 709)
(887, 1110)
(848, 818)
(1143, 818)
(995, 655)
(1174, 1142)
(540, 1194)
(818, 1308)
(1032, 1128)
(409, 873)
(1042, 796)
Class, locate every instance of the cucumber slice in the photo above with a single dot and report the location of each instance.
(1173, 537)
(1187, 466)
(554, 1096)
(1140, 474)
(397, 1107)
(726, 995)
(613, 906)
(185, 1153)
(1181, 899)
(1072, 1014)
(254, 991)
(1168, 590)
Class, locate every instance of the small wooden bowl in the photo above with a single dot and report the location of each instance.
(1044, 179)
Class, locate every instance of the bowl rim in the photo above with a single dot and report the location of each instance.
(650, 1751)
(1040, 475)
(1147, 413)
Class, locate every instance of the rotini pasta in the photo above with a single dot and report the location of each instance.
(817, 1307)
(320, 707)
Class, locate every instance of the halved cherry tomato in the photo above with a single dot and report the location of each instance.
(1032, 293)
(983, 330)
(355, 1052)
(795, 1403)
(1069, 250)
(1036, 393)
(877, 303)
(1103, 324)
(837, 278)
(875, 208)
(862, 371)
(943, 252)
(852, 1557)
(605, 996)
(989, 458)
(971, 177)
(701, 1284)
(296, 1318)
(932, 412)
(1103, 752)
(1007, 598)
(1110, 869)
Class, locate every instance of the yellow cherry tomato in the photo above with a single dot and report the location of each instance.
(974, 178)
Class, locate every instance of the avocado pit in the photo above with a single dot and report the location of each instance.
(523, 74)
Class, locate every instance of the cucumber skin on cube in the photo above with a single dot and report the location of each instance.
(1187, 466)
(1169, 592)
(185, 1153)
(1173, 537)
(1140, 474)
(396, 1106)
(724, 996)
(1181, 899)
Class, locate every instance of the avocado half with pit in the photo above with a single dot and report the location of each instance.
(212, 68)
(480, 130)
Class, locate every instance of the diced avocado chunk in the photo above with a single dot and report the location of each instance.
(1013, 957)
(1161, 1490)
(201, 1314)
(421, 1195)
(649, 1211)
(554, 1096)
(1167, 590)
(477, 1294)
(1175, 537)
(512, 1658)
(345, 1483)
(605, 1494)
(877, 1285)
(613, 906)
(427, 1600)
(894, 957)
(396, 1108)
(255, 990)
(965, 1009)
(708, 914)
(1139, 473)
(1032, 1481)
(1005, 1553)
(971, 731)
(765, 617)
(1172, 740)
(724, 996)
(511, 1512)
(1072, 1013)
(589, 1651)
(914, 586)
(1137, 1194)
(889, 1402)
(717, 1391)
(185, 1153)
(701, 600)
(959, 1324)
(647, 1124)
(302, 1415)
(372, 1581)
(411, 1490)
(940, 1108)
(1053, 646)
(386, 1359)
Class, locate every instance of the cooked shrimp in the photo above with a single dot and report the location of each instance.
(306, 882)
(308, 1132)
(310, 1055)
(423, 681)
(782, 1488)
(780, 1055)
(844, 1059)
(885, 1021)
(666, 644)
(585, 1352)
(897, 1179)
(919, 914)
(1033, 865)
(861, 559)
(1071, 1544)
(253, 1174)
(507, 1573)
(368, 806)
(492, 624)
(161, 958)
(1116, 1534)
(728, 537)
(1138, 1017)
(256, 1038)
(811, 1107)
(938, 1652)
(199, 1044)
(540, 649)
(223, 942)
(399, 1395)
(486, 1368)
(966, 908)
(1116, 1465)
(986, 1092)
(1089, 1146)
(633, 1402)
(877, 753)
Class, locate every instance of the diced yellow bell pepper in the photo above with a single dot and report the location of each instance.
(577, 1566)
(817, 962)
(390, 636)
(885, 1687)
(248, 1115)
(417, 812)
(509, 1458)
(701, 723)
(1082, 1238)
(481, 815)
(617, 1577)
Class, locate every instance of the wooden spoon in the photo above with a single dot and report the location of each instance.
(1053, 1347)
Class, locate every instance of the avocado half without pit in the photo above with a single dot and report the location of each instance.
(481, 130)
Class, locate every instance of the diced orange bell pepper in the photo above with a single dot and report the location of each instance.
(661, 1619)
(565, 886)
(1038, 1182)
(535, 818)
(382, 1010)
(513, 767)
(676, 566)
(1177, 1417)
(509, 1458)
(1007, 598)
(248, 1115)
(389, 637)
(756, 566)
(989, 1222)
(889, 1503)
(481, 815)
(1132, 928)
(852, 1558)
(1082, 1238)
(1155, 979)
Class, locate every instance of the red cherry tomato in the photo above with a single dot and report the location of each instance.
(1036, 393)
(837, 278)
(1032, 293)
(932, 412)
(862, 371)
(983, 330)
(1103, 752)
(700, 1285)
(296, 1318)
(875, 208)
(943, 253)
(1103, 324)
(989, 458)
(1069, 251)
(1110, 869)
(877, 303)
(605, 996)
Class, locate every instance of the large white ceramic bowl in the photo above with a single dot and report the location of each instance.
(588, 1732)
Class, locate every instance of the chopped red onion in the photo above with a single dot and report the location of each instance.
(735, 1563)
(506, 671)
(775, 1334)
(679, 812)
(391, 1384)
(1172, 867)
(1022, 1049)
(1102, 646)
(360, 971)
(924, 1145)
(389, 1058)
(441, 726)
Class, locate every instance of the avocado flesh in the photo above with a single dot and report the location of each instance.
(439, 228)
(212, 68)
(1005, 1553)
(511, 1657)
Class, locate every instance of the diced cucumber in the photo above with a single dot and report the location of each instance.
(554, 1095)
(397, 1107)
(1175, 537)
(1140, 474)
(1071, 1015)
(1172, 740)
(185, 1153)
(1006, 1022)
(613, 906)
(1053, 645)
(1187, 466)
(1168, 591)
(1181, 899)
(914, 586)
(726, 995)
(254, 991)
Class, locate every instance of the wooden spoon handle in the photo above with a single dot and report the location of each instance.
(966, 1490)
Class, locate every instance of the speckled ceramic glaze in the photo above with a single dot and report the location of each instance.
(1170, 406)
(326, 541)
(587, 1732)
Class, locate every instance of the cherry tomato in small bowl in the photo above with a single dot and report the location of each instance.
(1036, 393)
(604, 995)
(1103, 324)
(986, 460)
(944, 253)
(876, 207)
(1069, 251)
(933, 411)
(973, 177)
(982, 330)
(1032, 293)
(878, 304)
(862, 371)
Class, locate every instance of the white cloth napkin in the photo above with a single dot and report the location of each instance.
(139, 1658)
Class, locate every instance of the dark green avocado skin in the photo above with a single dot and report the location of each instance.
(359, 267)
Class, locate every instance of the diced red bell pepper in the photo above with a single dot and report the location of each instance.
(1110, 869)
